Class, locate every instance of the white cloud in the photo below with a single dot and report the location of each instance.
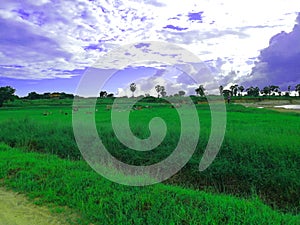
(231, 30)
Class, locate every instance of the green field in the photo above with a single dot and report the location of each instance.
(253, 180)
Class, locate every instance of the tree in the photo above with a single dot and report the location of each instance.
(221, 88)
(158, 90)
(111, 95)
(288, 92)
(274, 89)
(33, 95)
(253, 91)
(181, 93)
(266, 90)
(226, 93)
(279, 93)
(46, 95)
(163, 91)
(6, 94)
(241, 89)
(132, 88)
(297, 88)
(103, 94)
(200, 91)
(234, 89)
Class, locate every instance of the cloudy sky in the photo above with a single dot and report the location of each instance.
(47, 45)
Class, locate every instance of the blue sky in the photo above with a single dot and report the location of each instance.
(47, 45)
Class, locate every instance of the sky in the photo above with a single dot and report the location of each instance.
(49, 45)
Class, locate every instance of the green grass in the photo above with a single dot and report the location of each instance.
(259, 156)
(51, 180)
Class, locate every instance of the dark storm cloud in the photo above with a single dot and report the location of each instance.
(279, 63)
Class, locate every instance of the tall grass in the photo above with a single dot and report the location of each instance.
(260, 154)
(48, 179)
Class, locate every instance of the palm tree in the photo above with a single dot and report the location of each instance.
(132, 88)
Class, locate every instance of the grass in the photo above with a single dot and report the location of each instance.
(51, 180)
(259, 156)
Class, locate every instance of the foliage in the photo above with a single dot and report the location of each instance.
(6, 94)
(253, 91)
(50, 180)
(103, 94)
(55, 95)
(160, 90)
(132, 88)
(252, 159)
(200, 91)
(181, 93)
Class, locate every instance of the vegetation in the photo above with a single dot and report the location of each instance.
(50, 180)
(160, 91)
(247, 163)
(253, 180)
(48, 95)
(200, 91)
(6, 94)
(132, 88)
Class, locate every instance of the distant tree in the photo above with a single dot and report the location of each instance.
(181, 93)
(221, 88)
(6, 94)
(253, 91)
(226, 93)
(103, 94)
(64, 95)
(234, 89)
(132, 88)
(200, 91)
(33, 95)
(274, 89)
(241, 89)
(297, 88)
(279, 92)
(46, 95)
(163, 91)
(266, 90)
(158, 90)
(111, 95)
(289, 88)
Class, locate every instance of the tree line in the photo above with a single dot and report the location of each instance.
(7, 93)
(234, 90)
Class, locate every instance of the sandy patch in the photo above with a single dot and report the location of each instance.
(15, 209)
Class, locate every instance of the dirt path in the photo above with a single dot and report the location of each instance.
(15, 209)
